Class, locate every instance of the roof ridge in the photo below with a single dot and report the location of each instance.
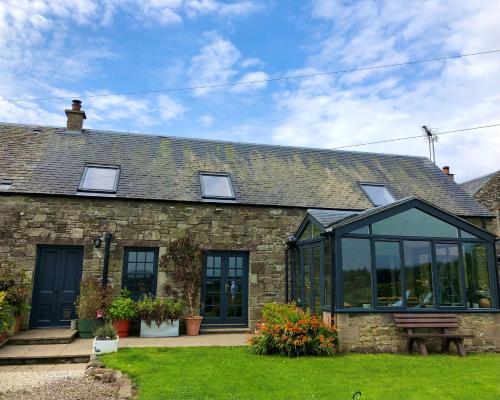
(194, 139)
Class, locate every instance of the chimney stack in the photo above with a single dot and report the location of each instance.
(75, 117)
(446, 171)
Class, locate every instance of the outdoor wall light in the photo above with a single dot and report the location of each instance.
(97, 242)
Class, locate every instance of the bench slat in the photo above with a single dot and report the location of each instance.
(447, 335)
(425, 316)
(428, 325)
(425, 320)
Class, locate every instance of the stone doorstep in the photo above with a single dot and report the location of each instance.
(44, 336)
(54, 359)
(224, 330)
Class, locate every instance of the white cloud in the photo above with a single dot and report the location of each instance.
(214, 64)
(195, 8)
(206, 120)
(341, 110)
(169, 108)
(257, 76)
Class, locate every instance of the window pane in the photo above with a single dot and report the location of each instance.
(216, 186)
(450, 289)
(98, 178)
(379, 195)
(418, 264)
(414, 222)
(316, 270)
(328, 275)
(140, 276)
(364, 230)
(477, 277)
(307, 278)
(467, 235)
(297, 276)
(356, 273)
(307, 232)
(388, 267)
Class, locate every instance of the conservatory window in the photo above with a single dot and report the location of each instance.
(414, 222)
(448, 270)
(310, 232)
(388, 269)
(477, 277)
(356, 273)
(418, 269)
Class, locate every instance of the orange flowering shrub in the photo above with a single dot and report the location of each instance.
(293, 333)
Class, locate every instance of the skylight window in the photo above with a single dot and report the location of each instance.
(378, 194)
(5, 184)
(216, 186)
(99, 178)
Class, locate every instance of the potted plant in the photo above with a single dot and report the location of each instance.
(183, 263)
(91, 304)
(4, 318)
(122, 311)
(14, 283)
(159, 317)
(105, 340)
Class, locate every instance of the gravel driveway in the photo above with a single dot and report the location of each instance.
(53, 384)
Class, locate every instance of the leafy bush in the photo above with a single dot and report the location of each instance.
(105, 332)
(94, 299)
(185, 268)
(158, 310)
(122, 308)
(14, 283)
(289, 331)
(5, 313)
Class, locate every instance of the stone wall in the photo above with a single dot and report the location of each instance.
(376, 333)
(489, 196)
(26, 222)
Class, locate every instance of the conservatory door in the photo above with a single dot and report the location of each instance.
(312, 268)
(225, 289)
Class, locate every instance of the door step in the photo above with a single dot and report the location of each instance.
(44, 336)
(224, 330)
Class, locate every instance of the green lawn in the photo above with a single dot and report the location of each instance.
(233, 373)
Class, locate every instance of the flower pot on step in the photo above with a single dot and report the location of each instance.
(86, 327)
(193, 325)
(165, 329)
(17, 326)
(122, 327)
(104, 346)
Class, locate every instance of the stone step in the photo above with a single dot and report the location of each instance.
(76, 352)
(43, 337)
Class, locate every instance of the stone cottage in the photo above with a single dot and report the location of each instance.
(350, 235)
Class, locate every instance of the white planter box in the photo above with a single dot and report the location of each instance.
(105, 346)
(165, 329)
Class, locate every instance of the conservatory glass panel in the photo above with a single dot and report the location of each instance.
(296, 275)
(316, 270)
(388, 270)
(467, 235)
(477, 276)
(364, 230)
(356, 273)
(307, 232)
(448, 270)
(307, 278)
(414, 222)
(418, 268)
(328, 275)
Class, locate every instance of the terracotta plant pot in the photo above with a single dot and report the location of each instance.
(193, 325)
(122, 327)
(4, 336)
(17, 326)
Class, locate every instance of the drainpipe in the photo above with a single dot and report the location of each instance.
(286, 274)
(107, 244)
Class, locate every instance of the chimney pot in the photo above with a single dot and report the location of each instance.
(75, 117)
(446, 171)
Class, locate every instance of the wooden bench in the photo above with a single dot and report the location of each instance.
(443, 322)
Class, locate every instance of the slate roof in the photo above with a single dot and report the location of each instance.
(51, 161)
(328, 217)
(475, 185)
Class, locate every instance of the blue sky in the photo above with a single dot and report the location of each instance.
(64, 48)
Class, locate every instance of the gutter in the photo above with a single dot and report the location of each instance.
(105, 269)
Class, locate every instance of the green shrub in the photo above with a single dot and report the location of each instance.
(94, 299)
(289, 331)
(158, 310)
(5, 314)
(105, 332)
(14, 283)
(122, 308)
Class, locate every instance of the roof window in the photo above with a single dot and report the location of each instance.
(378, 194)
(99, 178)
(5, 184)
(216, 185)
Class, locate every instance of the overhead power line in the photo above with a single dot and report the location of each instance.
(416, 136)
(283, 78)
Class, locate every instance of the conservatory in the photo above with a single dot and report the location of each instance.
(408, 255)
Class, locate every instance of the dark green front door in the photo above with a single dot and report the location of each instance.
(225, 288)
(57, 279)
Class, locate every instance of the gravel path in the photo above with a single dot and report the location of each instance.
(54, 385)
